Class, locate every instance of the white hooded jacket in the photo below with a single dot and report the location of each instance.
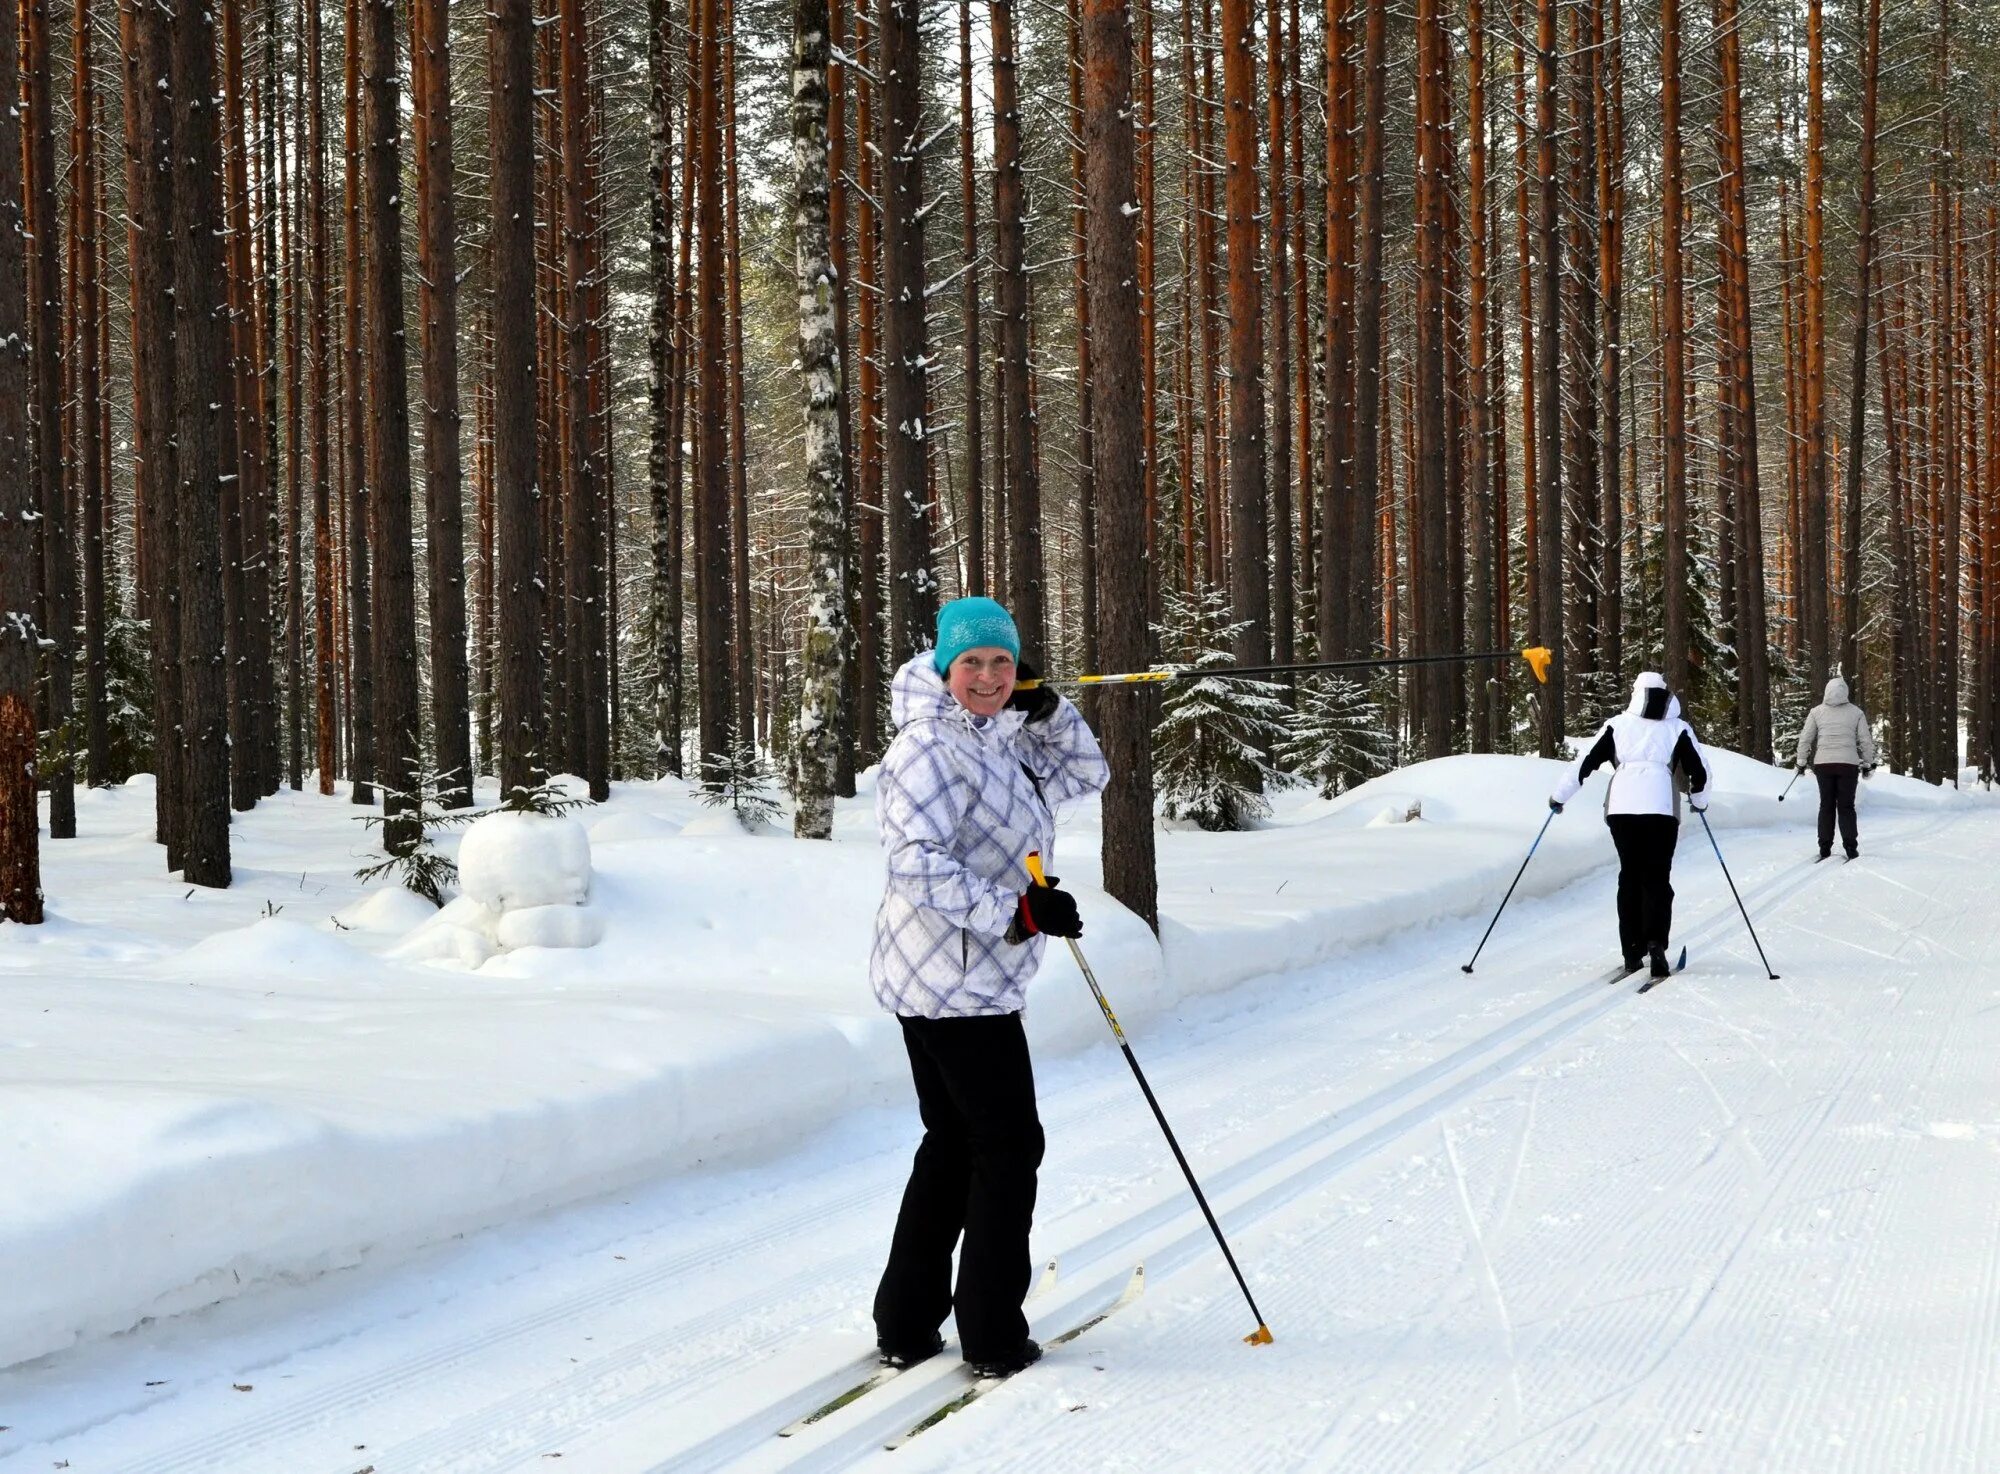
(1645, 743)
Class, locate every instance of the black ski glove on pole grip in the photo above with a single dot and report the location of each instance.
(1045, 910)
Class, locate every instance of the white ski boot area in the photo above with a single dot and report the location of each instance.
(1514, 1221)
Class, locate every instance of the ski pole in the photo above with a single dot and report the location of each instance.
(1788, 786)
(1262, 1335)
(1510, 891)
(1538, 659)
(1739, 899)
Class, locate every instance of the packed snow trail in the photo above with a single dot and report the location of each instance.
(1515, 1221)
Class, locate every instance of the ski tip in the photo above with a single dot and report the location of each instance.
(1259, 1337)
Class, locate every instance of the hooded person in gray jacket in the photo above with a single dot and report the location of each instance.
(1838, 746)
(969, 788)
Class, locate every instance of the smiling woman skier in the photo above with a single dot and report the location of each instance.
(1646, 743)
(967, 790)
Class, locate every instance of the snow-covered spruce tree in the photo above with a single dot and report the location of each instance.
(414, 863)
(1209, 749)
(1338, 737)
(743, 782)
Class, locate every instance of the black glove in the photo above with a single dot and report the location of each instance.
(1039, 702)
(1869, 771)
(1046, 910)
(1554, 807)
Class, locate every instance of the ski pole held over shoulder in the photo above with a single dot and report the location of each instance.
(1537, 656)
(1262, 1335)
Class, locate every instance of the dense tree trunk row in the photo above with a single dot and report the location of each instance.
(1219, 328)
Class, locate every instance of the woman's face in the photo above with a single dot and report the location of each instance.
(982, 679)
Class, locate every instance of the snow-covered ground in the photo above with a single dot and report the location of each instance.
(1514, 1220)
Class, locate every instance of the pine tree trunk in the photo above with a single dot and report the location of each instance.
(1149, 345)
(659, 350)
(511, 71)
(1608, 74)
(20, 837)
(320, 398)
(1548, 539)
(399, 764)
(1086, 478)
(1026, 596)
(905, 407)
(869, 676)
(444, 493)
(290, 228)
(1249, 531)
(244, 492)
(1427, 534)
(1675, 660)
(45, 322)
(1364, 616)
(968, 197)
(354, 446)
(819, 362)
(89, 407)
(149, 207)
(1338, 438)
(1284, 615)
(1752, 624)
(1117, 413)
(201, 360)
(1813, 565)
(713, 603)
(745, 678)
(582, 483)
(1489, 555)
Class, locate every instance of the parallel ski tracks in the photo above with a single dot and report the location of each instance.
(1166, 1230)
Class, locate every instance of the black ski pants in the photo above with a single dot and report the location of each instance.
(974, 1177)
(1837, 783)
(1645, 891)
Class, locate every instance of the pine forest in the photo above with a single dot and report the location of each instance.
(398, 395)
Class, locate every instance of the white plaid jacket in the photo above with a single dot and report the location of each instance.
(959, 814)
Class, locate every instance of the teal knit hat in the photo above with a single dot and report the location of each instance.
(969, 624)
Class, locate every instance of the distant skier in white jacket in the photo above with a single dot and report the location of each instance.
(1648, 744)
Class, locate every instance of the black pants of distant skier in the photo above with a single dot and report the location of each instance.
(1645, 893)
(1837, 782)
(974, 1176)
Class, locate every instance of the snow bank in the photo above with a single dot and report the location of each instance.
(207, 1090)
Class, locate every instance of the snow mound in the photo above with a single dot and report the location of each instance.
(460, 935)
(551, 926)
(390, 911)
(721, 822)
(632, 827)
(274, 948)
(511, 861)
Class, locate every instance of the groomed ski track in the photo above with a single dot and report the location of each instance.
(1512, 1221)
